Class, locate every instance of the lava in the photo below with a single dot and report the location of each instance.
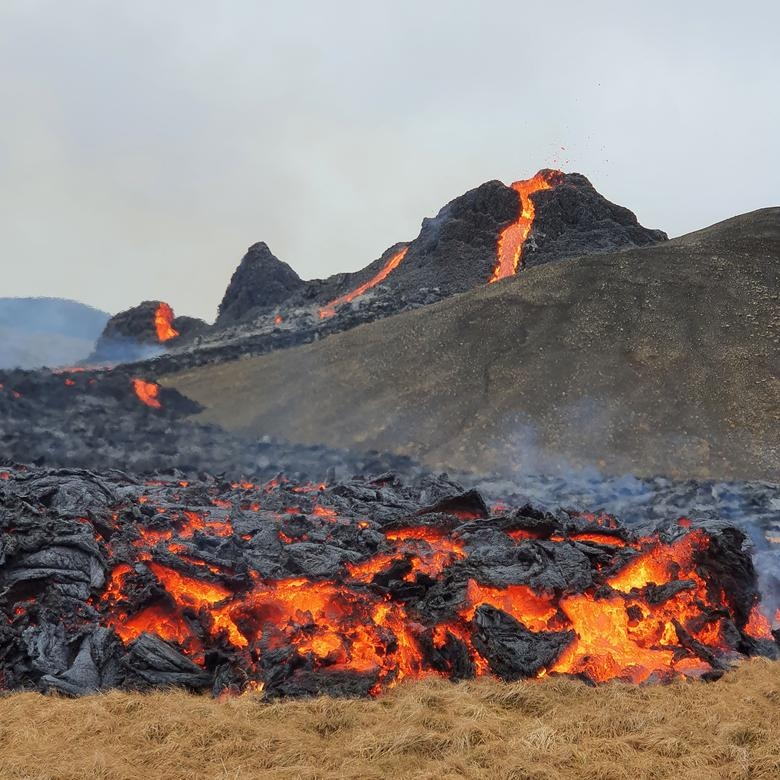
(309, 586)
(512, 238)
(147, 392)
(330, 309)
(163, 323)
(618, 632)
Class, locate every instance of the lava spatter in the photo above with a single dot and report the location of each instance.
(513, 236)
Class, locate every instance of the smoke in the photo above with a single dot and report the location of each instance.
(51, 332)
(113, 351)
(545, 478)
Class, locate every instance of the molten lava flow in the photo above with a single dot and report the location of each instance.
(334, 624)
(147, 392)
(535, 611)
(629, 635)
(512, 238)
(330, 309)
(652, 609)
(163, 323)
(597, 538)
(422, 550)
(758, 625)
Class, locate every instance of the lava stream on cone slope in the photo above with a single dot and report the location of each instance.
(514, 235)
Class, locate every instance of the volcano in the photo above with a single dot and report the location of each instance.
(477, 238)
(141, 332)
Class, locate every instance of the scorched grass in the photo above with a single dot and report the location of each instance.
(554, 728)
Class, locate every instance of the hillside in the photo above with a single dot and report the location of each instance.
(658, 359)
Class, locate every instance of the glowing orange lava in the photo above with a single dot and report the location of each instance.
(512, 238)
(758, 625)
(641, 619)
(330, 309)
(163, 323)
(147, 392)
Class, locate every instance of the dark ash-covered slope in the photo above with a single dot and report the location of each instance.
(654, 360)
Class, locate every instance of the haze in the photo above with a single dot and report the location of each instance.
(144, 146)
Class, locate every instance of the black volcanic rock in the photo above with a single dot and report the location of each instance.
(260, 282)
(456, 250)
(573, 219)
(188, 327)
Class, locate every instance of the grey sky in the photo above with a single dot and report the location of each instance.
(145, 145)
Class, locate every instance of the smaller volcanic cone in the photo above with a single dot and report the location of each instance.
(140, 333)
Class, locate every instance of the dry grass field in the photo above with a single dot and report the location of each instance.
(555, 728)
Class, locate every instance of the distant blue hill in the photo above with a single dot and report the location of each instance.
(50, 332)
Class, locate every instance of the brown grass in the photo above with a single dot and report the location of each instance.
(556, 728)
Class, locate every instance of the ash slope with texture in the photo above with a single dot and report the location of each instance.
(653, 360)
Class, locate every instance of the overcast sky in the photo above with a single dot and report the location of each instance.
(145, 145)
